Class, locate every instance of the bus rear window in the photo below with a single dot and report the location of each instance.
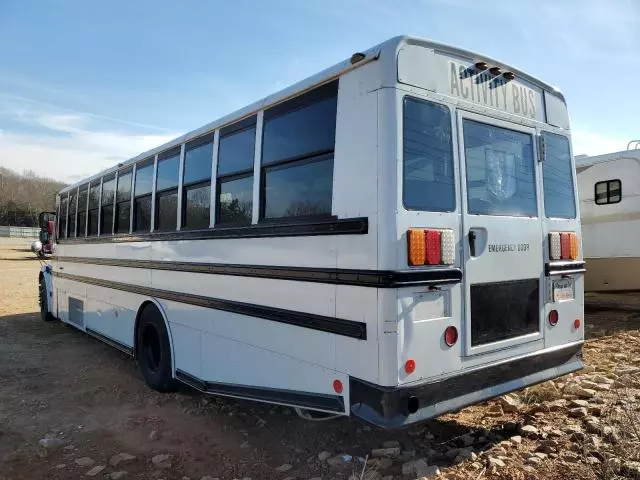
(559, 196)
(428, 181)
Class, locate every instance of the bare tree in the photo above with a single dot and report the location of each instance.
(24, 196)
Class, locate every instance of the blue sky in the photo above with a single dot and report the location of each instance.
(85, 84)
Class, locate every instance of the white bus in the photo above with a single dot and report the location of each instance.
(609, 193)
(393, 238)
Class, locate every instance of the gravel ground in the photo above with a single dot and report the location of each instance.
(71, 407)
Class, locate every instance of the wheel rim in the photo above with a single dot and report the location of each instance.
(151, 345)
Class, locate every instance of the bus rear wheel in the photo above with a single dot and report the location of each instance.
(45, 314)
(154, 351)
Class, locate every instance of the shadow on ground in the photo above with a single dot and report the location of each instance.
(610, 313)
(52, 354)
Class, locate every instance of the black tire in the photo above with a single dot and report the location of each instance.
(154, 351)
(45, 314)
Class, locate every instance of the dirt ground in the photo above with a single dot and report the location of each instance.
(69, 404)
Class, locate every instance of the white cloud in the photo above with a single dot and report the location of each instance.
(68, 145)
(590, 143)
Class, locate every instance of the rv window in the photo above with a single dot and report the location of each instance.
(609, 191)
(428, 182)
(559, 196)
(500, 171)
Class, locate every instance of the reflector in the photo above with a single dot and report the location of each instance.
(410, 366)
(337, 386)
(451, 336)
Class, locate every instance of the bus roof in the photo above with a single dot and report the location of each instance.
(386, 49)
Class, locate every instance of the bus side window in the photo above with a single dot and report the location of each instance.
(559, 196)
(167, 190)
(234, 204)
(428, 181)
(81, 229)
(94, 209)
(106, 208)
(142, 199)
(297, 155)
(73, 203)
(123, 202)
(196, 179)
(62, 224)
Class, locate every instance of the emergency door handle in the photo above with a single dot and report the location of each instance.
(472, 243)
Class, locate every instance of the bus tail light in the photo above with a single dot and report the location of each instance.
(563, 246)
(573, 246)
(553, 318)
(451, 336)
(337, 386)
(576, 323)
(416, 246)
(430, 247)
(410, 366)
(447, 247)
(433, 239)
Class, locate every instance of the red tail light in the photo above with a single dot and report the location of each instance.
(430, 247)
(576, 323)
(553, 317)
(337, 386)
(563, 245)
(451, 336)
(433, 247)
(410, 366)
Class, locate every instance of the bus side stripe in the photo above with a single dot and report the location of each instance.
(110, 341)
(338, 326)
(332, 403)
(336, 276)
(331, 226)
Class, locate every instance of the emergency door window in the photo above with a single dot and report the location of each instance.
(609, 191)
(500, 171)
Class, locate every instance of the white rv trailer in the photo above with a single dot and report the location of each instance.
(393, 238)
(609, 192)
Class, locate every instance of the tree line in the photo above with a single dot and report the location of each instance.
(24, 195)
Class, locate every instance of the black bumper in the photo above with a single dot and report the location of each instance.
(392, 407)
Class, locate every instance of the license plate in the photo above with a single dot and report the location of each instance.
(563, 289)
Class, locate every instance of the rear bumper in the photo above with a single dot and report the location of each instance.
(391, 407)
